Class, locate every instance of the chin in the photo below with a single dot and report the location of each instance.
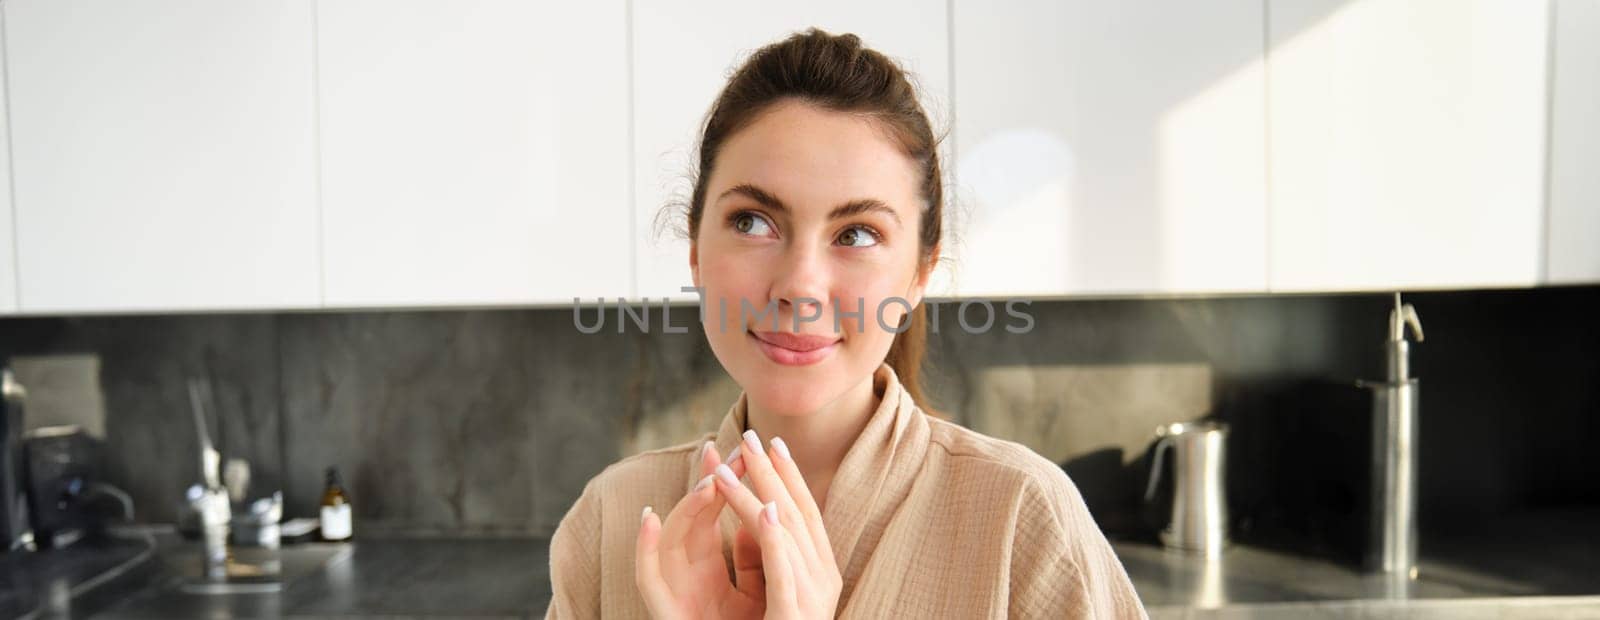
(789, 391)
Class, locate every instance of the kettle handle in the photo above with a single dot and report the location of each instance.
(1162, 445)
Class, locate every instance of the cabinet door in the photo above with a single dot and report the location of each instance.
(1574, 228)
(474, 152)
(1407, 143)
(8, 254)
(163, 154)
(682, 55)
(1110, 147)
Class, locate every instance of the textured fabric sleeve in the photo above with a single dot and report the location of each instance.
(1061, 564)
(575, 561)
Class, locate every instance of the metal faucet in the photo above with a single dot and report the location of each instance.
(211, 502)
(1392, 543)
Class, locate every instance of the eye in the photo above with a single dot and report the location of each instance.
(750, 223)
(858, 237)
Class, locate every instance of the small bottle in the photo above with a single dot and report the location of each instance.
(336, 512)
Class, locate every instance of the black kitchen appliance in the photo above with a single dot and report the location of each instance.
(61, 467)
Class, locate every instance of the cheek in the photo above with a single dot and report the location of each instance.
(728, 279)
(876, 295)
(720, 266)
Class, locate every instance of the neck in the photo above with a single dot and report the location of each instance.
(819, 439)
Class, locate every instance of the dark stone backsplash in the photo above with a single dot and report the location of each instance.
(493, 420)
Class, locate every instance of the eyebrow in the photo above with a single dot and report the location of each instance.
(853, 207)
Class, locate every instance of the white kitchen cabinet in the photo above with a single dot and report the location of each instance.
(1407, 143)
(1110, 147)
(163, 154)
(8, 255)
(1573, 240)
(474, 152)
(682, 56)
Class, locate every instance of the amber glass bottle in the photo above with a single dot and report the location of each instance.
(336, 511)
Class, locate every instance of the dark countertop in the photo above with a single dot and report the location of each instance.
(93, 572)
(506, 578)
(1247, 582)
(498, 577)
(1543, 565)
(1549, 569)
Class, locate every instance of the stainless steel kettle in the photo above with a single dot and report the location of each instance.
(1199, 504)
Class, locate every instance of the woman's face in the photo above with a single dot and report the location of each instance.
(810, 217)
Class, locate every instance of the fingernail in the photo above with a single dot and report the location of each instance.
(703, 483)
(733, 455)
(770, 512)
(751, 440)
(727, 475)
(644, 515)
(710, 446)
(783, 448)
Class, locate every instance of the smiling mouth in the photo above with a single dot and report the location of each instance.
(795, 349)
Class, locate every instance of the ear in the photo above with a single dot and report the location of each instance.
(919, 285)
(694, 263)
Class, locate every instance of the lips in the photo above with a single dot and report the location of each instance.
(795, 349)
(796, 342)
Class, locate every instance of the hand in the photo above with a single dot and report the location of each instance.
(679, 567)
(801, 577)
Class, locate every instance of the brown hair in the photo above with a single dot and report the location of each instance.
(835, 72)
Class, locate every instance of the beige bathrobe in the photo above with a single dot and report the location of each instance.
(927, 520)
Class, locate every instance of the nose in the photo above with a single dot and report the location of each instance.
(800, 285)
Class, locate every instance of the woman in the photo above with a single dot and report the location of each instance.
(814, 225)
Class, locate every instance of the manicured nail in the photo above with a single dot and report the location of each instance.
(727, 475)
(709, 446)
(783, 448)
(770, 512)
(733, 455)
(644, 515)
(752, 441)
(703, 483)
